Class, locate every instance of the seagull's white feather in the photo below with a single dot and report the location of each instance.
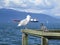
(24, 21)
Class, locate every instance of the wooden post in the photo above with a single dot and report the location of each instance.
(24, 39)
(44, 41)
(43, 34)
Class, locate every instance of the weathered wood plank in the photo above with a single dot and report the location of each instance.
(24, 39)
(44, 35)
(44, 41)
(41, 33)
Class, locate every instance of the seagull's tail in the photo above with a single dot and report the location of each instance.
(19, 24)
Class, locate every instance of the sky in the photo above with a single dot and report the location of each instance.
(50, 7)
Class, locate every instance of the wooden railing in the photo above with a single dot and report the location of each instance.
(44, 35)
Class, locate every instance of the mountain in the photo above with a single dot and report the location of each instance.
(58, 17)
(7, 15)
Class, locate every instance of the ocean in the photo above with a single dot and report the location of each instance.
(10, 34)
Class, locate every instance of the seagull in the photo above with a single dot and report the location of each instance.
(25, 21)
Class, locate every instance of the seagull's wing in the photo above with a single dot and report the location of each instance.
(22, 22)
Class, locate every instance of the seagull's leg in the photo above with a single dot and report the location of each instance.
(25, 26)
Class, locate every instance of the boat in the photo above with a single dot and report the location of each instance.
(34, 20)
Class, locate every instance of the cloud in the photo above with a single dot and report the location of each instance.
(6, 4)
(1, 7)
(56, 10)
(47, 2)
(34, 11)
(33, 6)
(36, 2)
(16, 2)
(25, 3)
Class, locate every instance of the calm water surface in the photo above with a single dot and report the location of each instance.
(10, 34)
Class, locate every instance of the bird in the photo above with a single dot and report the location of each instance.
(43, 27)
(25, 21)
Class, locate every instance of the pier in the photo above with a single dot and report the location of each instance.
(44, 35)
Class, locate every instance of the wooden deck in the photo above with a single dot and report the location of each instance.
(44, 35)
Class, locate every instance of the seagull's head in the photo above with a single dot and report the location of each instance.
(28, 16)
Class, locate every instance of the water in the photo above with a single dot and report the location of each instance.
(10, 34)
